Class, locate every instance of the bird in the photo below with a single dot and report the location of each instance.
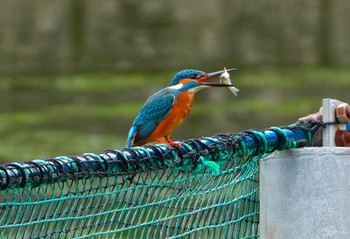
(196, 74)
(165, 110)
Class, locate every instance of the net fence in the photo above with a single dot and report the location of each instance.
(204, 188)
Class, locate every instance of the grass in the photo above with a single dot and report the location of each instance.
(43, 116)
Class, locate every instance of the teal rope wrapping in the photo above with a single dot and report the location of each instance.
(187, 163)
(309, 127)
(121, 155)
(147, 153)
(96, 157)
(192, 156)
(262, 145)
(49, 171)
(69, 161)
(242, 149)
(207, 164)
(199, 188)
(4, 176)
(283, 138)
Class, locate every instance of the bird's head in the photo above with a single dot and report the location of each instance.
(193, 86)
(197, 75)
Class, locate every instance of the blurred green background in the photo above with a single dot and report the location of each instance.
(73, 74)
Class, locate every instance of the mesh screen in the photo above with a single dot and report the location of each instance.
(207, 188)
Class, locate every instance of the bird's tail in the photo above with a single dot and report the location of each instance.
(131, 137)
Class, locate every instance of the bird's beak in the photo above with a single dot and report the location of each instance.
(216, 84)
(208, 76)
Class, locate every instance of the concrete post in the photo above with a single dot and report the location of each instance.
(305, 194)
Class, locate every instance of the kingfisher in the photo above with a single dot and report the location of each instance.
(165, 110)
(198, 75)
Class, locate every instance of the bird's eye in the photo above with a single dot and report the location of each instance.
(193, 76)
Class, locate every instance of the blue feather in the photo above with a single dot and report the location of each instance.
(156, 108)
(184, 74)
(131, 137)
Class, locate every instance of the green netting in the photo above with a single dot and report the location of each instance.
(207, 188)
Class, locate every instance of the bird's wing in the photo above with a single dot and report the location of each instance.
(156, 108)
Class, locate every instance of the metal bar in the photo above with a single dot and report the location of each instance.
(329, 106)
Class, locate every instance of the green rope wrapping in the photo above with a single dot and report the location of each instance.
(283, 138)
(207, 188)
(207, 164)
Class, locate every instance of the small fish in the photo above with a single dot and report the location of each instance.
(225, 78)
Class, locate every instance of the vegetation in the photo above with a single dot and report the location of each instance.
(43, 116)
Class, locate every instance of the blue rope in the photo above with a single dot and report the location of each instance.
(195, 155)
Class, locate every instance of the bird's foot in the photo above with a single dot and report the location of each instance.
(171, 143)
(166, 143)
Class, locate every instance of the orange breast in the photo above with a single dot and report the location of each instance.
(178, 113)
